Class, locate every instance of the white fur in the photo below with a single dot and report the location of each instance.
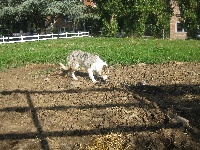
(95, 67)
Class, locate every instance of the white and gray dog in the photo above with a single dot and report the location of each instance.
(90, 62)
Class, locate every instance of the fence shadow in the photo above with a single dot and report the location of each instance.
(182, 99)
(163, 96)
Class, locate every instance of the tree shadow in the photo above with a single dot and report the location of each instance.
(166, 96)
(181, 99)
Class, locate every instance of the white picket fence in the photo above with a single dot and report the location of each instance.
(38, 37)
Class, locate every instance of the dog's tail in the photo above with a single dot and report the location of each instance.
(63, 66)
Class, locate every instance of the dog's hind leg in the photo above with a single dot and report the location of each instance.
(63, 66)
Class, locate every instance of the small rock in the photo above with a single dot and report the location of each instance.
(141, 83)
(47, 79)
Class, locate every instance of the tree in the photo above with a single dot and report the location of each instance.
(32, 14)
(132, 16)
(109, 11)
(7, 14)
(190, 11)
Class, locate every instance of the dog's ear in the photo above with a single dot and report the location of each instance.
(105, 68)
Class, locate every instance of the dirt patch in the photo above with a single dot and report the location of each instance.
(140, 107)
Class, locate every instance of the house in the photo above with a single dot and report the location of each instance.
(176, 30)
(63, 25)
(88, 3)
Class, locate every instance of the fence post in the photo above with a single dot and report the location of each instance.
(38, 37)
(3, 39)
(163, 32)
(66, 34)
(21, 38)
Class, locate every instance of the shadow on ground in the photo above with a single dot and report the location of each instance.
(182, 100)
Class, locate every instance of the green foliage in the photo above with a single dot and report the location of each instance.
(190, 11)
(123, 51)
(133, 16)
(109, 11)
(66, 8)
(130, 16)
(110, 29)
(35, 12)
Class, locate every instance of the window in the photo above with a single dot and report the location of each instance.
(179, 27)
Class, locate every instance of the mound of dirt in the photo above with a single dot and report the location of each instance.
(140, 107)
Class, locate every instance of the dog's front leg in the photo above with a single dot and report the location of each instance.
(90, 72)
(73, 76)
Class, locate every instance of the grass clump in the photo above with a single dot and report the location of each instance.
(123, 51)
(107, 142)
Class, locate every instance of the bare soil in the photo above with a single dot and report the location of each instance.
(140, 107)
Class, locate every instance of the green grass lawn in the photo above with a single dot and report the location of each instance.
(123, 51)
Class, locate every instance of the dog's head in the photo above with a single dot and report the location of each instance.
(104, 66)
